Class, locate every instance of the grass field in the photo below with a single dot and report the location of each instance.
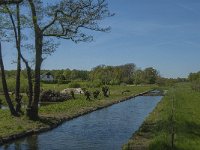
(10, 125)
(156, 131)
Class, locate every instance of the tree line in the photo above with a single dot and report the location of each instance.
(105, 75)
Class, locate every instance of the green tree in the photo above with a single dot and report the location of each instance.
(138, 77)
(194, 76)
(150, 75)
(67, 74)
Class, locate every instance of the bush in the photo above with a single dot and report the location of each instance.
(52, 96)
(105, 90)
(96, 94)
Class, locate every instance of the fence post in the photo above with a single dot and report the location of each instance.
(172, 122)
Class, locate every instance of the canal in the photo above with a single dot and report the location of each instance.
(105, 129)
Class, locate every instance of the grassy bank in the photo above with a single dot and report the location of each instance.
(69, 109)
(156, 131)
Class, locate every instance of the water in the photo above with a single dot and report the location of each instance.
(106, 129)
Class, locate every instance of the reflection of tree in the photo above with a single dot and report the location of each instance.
(32, 142)
(18, 146)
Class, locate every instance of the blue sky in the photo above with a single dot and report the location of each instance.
(164, 34)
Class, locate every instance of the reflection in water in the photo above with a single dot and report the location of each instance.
(106, 129)
(31, 144)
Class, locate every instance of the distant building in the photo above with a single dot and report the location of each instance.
(47, 77)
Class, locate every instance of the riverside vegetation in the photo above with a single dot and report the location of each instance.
(160, 131)
(10, 125)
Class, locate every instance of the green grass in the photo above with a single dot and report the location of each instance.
(81, 104)
(10, 125)
(155, 133)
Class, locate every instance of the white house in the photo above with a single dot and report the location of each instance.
(47, 77)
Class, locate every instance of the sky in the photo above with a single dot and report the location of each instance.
(164, 34)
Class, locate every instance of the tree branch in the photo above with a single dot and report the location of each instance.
(13, 23)
(5, 2)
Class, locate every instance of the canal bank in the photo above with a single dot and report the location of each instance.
(47, 123)
(161, 131)
(108, 128)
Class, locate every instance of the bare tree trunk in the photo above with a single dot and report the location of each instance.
(18, 45)
(30, 83)
(17, 90)
(5, 87)
(38, 61)
(33, 112)
(30, 86)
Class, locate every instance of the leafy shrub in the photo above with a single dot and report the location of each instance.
(87, 94)
(96, 94)
(105, 90)
(52, 96)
